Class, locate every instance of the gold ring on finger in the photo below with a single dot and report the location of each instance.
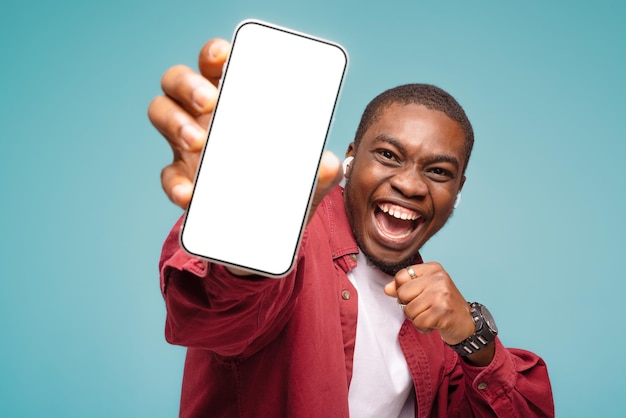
(411, 272)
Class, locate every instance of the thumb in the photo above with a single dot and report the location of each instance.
(329, 175)
(391, 289)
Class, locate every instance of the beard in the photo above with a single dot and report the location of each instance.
(389, 269)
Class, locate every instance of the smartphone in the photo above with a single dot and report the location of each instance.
(258, 169)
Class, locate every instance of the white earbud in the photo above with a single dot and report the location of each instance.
(457, 201)
(346, 163)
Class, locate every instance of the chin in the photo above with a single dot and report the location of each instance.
(389, 267)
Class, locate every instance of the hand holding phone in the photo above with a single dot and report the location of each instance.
(258, 169)
(182, 115)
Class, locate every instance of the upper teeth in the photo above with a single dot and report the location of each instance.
(398, 212)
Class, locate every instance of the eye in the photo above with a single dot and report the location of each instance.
(440, 174)
(386, 156)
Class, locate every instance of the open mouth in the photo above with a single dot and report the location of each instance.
(396, 222)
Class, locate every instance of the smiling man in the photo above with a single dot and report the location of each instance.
(361, 327)
(407, 173)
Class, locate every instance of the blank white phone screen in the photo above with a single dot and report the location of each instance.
(258, 169)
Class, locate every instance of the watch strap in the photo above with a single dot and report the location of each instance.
(481, 339)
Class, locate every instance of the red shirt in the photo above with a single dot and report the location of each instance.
(262, 347)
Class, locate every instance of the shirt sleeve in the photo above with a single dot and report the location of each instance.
(514, 384)
(209, 308)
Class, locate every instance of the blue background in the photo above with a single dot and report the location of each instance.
(538, 236)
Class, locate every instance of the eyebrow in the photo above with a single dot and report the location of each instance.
(445, 159)
(440, 158)
(392, 141)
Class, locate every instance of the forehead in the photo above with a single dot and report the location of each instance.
(417, 127)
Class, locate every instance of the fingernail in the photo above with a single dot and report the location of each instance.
(218, 50)
(203, 98)
(191, 136)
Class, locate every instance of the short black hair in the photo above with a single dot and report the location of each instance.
(430, 96)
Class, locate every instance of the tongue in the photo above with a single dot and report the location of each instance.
(393, 226)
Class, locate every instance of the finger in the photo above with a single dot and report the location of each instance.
(211, 60)
(426, 317)
(391, 289)
(177, 183)
(427, 280)
(415, 312)
(192, 91)
(330, 172)
(407, 274)
(402, 277)
(423, 323)
(410, 294)
(176, 125)
(329, 175)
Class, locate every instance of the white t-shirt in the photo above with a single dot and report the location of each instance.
(381, 383)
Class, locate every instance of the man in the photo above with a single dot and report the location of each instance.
(361, 327)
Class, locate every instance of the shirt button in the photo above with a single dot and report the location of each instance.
(482, 386)
(353, 257)
(345, 294)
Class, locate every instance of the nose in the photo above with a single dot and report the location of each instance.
(410, 182)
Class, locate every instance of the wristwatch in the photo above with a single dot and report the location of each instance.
(485, 334)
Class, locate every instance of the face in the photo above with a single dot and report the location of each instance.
(403, 181)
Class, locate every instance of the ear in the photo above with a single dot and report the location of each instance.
(462, 183)
(351, 151)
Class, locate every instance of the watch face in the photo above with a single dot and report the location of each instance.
(489, 319)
